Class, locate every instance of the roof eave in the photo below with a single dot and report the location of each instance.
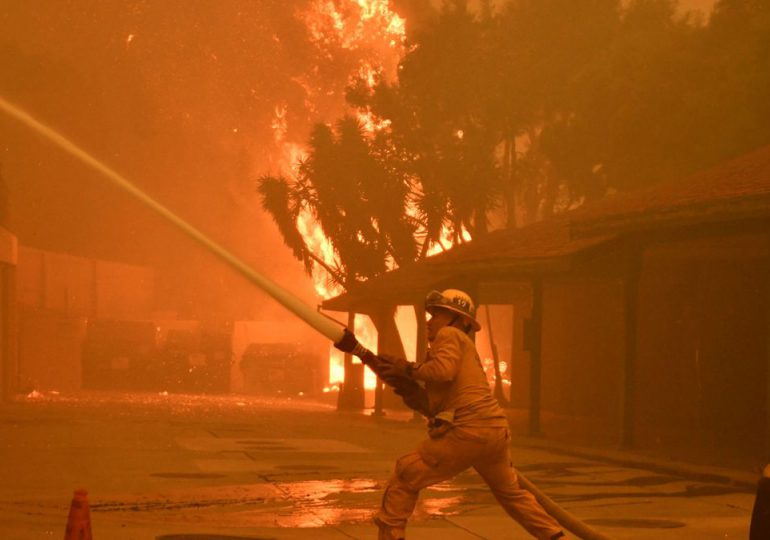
(746, 208)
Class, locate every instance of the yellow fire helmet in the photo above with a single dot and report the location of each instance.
(453, 300)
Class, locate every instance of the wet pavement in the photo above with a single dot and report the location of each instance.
(170, 467)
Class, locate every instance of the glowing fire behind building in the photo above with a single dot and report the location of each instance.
(376, 33)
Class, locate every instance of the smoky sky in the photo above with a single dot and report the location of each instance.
(181, 98)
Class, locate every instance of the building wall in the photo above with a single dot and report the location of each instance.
(50, 347)
(123, 291)
(702, 355)
(582, 356)
(81, 287)
(57, 294)
(8, 312)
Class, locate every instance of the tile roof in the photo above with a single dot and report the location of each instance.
(402, 286)
(538, 248)
(542, 240)
(737, 189)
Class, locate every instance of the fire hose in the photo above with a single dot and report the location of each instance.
(409, 390)
(414, 397)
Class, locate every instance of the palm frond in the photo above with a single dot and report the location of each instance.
(278, 201)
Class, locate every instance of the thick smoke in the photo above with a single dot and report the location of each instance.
(181, 99)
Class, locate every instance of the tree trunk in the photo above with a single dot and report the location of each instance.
(509, 157)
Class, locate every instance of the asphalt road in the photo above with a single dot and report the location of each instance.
(170, 467)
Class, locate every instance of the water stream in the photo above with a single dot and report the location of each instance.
(326, 326)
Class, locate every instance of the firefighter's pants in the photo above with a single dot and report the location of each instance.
(484, 449)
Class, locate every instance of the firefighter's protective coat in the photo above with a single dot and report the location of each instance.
(469, 429)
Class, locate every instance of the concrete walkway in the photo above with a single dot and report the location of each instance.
(214, 468)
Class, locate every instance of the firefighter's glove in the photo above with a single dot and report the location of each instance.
(394, 367)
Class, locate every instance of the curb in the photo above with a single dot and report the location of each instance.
(700, 473)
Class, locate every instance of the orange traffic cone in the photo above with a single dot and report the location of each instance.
(79, 520)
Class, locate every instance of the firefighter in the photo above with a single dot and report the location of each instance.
(466, 426)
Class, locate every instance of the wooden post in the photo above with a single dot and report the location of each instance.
(8, 332)
(43, 298)
(515, 347)
(388, 342)
(631, 323)
(379, 387)
(767, 345)
(535, 338)
(351, 396)
(94, 304)
(4, 333)
(422, 333)
(421, 347)
(498, 392)
(379, 390)
(382, 347)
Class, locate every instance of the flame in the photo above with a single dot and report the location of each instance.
(446, 238)
(377, 34)
(447, 241)
(353, 24)
(370, 122)
(290, 153)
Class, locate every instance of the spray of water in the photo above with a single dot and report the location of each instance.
(329, 328)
